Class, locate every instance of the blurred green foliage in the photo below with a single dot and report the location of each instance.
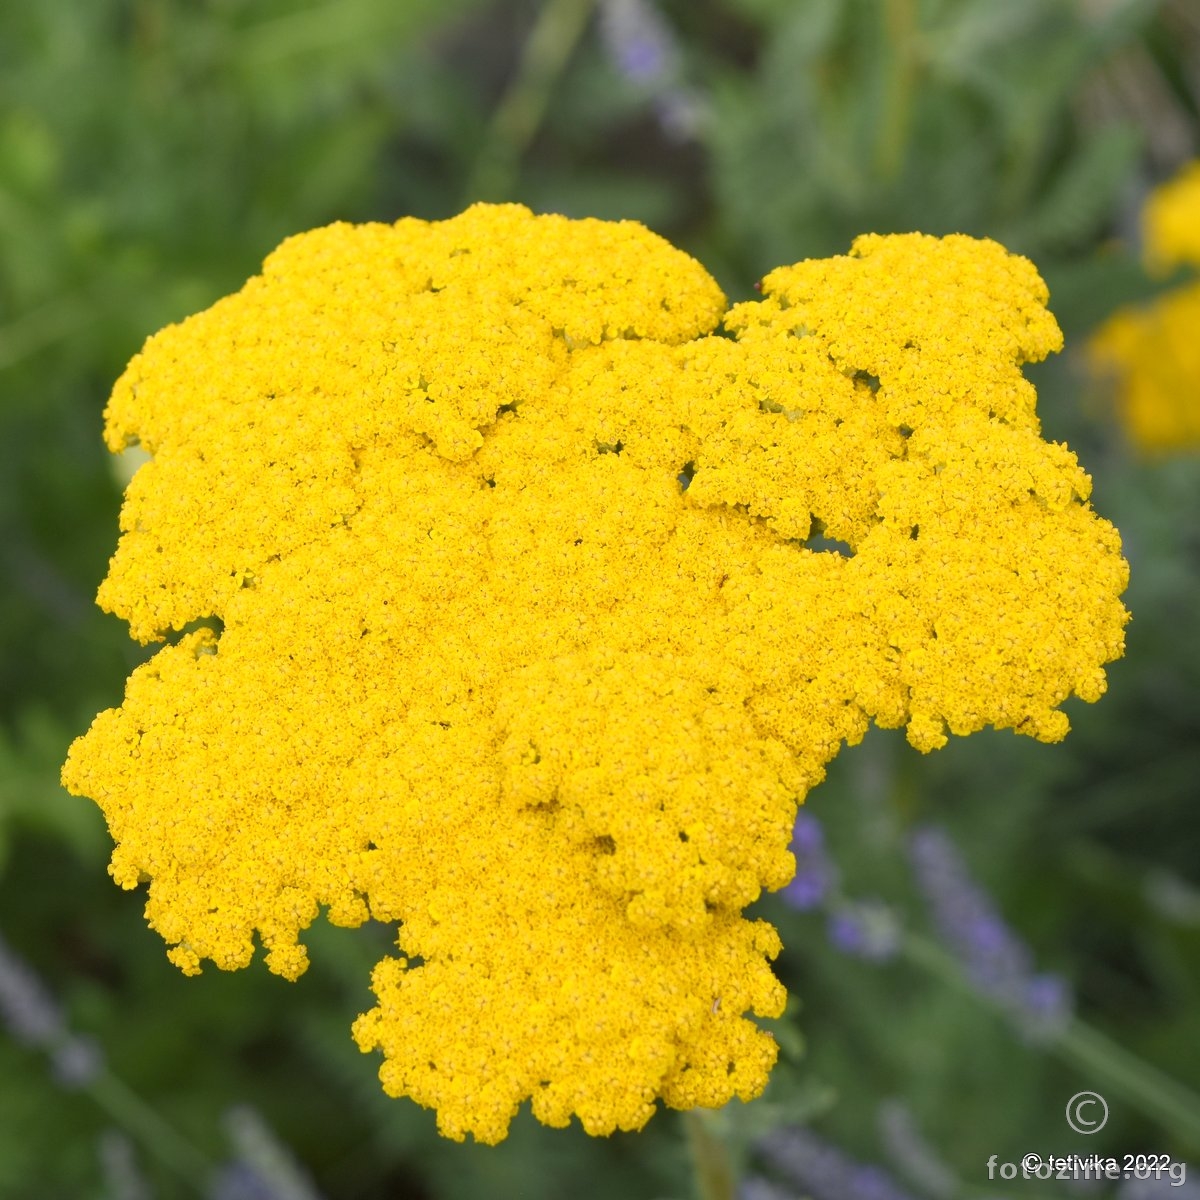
(153, 151)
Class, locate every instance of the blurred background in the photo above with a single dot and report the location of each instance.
(974, 937)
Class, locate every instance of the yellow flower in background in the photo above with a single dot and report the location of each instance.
(1172, 221)
(523, 645)
(1153, 352)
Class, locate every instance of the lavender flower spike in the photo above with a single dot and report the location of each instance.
(77, 1061)
(265, 1168)
(995, 960)
(823, 1172)
(643, 48)
(816, 876)
(916, 1160)
(865, 929)
(757, 1188)
(639, 42)
(123, 1180)
(237, 1181)
(27, 1010)
(33, 1018)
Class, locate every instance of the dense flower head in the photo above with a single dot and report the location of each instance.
(523, 643)
(1153, 352)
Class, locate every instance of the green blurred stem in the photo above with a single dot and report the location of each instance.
(159, 1138)
(711, 1163)
(1154, 1092)
(559, 26)
(311, 29)
(899, 18)
(1102, 1062)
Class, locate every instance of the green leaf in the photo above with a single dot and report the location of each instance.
(1083, 194)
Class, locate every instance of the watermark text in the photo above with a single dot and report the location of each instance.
(1090, 1166)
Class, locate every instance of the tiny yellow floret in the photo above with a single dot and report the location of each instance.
(542, 604)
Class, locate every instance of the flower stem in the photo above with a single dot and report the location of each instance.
(559, 26)
(711, 1163)
(1102, 1061)
(1146, 1087)
(899, 26)
(160, 1139)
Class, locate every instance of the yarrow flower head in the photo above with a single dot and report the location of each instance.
(488, 670)
(1153, 352)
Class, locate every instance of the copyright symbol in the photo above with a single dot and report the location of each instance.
(1030, 1164)
(1081, 1112)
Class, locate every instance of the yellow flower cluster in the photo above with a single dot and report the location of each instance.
(524, 645)
(1172, 221)
(1154, 352)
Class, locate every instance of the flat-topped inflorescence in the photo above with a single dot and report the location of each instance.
(528, 643)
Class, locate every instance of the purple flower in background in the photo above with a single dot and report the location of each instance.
(862, 928)
(815, 874)
(916, 1160)
(757, 1188)
(681, 112)
(1048, 999)
(123, 1180)
(865, 929)
(822, 1171)
(32, 1017)
(237, 1181)
(644, 49)
(639, 41)
(265, 1169)
(27, 1010)
(994, 959)
(76, 1061)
